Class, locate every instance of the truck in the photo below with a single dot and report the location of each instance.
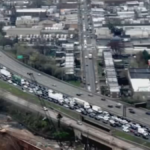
(90, 56)
(81, 102)
(16, 79)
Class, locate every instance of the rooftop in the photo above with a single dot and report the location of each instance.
(139, 73)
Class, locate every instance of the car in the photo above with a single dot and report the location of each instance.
(78, 110)
(84, 112)
(92, 115)
(45, 108)
(98, 117)
(39, 74)
(103, 99)
(71, 107)
(90, 94)
(54, 85)
(79, 94)
(136, 134)
(105, 121)
(145, 137)
(132, 131)
(118, 105)
(79, 122)
(110, 106)
(147, 113)
(132, 111)
(125, 129)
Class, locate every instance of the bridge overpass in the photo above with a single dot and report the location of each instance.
(83, 130)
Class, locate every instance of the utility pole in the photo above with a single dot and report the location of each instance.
(124, 111)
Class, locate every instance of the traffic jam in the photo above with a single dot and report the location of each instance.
(76, 104)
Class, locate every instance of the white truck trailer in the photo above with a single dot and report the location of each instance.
(81, 102)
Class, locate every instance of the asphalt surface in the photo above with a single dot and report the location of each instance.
(88, 65)
(139, 116)
(95, 133)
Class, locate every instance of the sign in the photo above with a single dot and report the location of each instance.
(19, 57)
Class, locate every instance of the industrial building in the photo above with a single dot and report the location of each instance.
(110, 74)
(139, 79)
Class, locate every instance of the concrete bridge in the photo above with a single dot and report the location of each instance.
(84, 130)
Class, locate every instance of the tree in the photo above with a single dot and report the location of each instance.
(59, 117)
(5, 41)
(116, 45)
(146, 56)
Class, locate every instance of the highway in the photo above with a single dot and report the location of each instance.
(84, 128)
(62, 87)
(87, 47)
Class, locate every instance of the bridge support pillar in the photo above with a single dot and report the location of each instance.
(77, 134)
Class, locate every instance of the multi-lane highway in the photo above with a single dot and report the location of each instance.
(84, 128)
(88, 46)
(72, 91)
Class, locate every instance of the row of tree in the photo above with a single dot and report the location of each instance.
(39, 61)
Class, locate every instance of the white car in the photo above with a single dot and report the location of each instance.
(9, 81)
(78, 110)
(125, 129)
(79, 122)
(106, 118)
(14, 84)
(39, 74)
(45, 108)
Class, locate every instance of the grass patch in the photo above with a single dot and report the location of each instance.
(131, 138)
(75, 83)
(32, 98)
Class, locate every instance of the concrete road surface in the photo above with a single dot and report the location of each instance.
(94, 133)
(72, 91)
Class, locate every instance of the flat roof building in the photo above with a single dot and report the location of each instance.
(139, 79)
(110, 74)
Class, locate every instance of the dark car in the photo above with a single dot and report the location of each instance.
(132, 111)
(103, 99)
(84, 112)
(90, 94)
(110, 106)
(145, 137)
(92, 115)
(118, 124)
(136, 134)
(147, 113)
(104, 121)
(113, 124)
(79, 94)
